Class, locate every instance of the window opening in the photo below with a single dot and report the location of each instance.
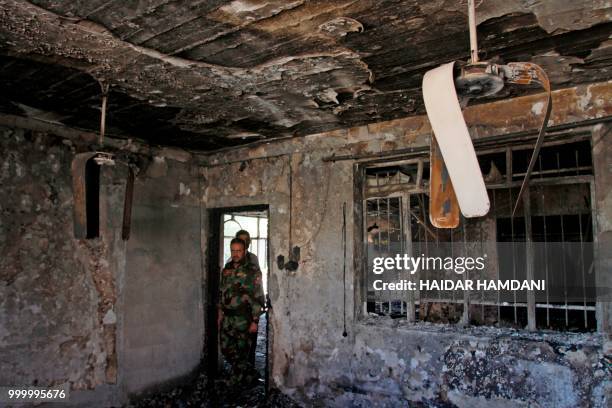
(396, 220)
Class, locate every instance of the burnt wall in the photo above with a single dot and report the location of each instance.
(162, 288)
(105, 316)
(384, 361)
(58, 295)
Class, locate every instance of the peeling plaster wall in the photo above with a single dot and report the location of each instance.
(107, 317)
(383, 361)
(57, 293)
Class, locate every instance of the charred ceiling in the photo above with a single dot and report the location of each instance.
(210, 74)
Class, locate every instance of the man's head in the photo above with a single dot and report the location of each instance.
(238, 249)
(244, 235)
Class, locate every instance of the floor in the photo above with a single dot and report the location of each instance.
(201, 393)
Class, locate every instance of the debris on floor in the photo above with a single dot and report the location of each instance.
(200, 393)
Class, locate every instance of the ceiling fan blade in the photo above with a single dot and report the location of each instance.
(443, 204)
(526, 73)
(451, 133)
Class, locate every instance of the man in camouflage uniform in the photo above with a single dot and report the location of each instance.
(241, 303)
(246, 237)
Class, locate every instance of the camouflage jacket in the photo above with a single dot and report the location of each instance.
(241, 290)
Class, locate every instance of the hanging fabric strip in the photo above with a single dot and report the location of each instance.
(79, 191)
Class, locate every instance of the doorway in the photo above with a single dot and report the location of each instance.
(224, 223)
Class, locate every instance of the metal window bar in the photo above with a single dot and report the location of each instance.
(379, 232)
(425, 234)
(523, 304)
(389, 240)
(498, 269)
(482, 272)
(564, 272)
(452, 254)
(546, 265)
(558, 172)
(529, 258)
(402, 247)
(584, 296)
(547, 290)
(408, 248)
(511, 200)
(584, 302)
(420, 241)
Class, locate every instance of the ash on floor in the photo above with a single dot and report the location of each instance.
(200, 393)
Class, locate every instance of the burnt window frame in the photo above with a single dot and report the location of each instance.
(494, 145)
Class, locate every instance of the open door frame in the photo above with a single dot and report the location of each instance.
(214, 249)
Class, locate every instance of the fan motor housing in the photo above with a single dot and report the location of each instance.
(479, 80)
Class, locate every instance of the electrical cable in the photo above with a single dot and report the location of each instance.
(344, 333)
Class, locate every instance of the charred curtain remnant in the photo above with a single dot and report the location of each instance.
(92, 198)
(127, 204)
(86, 190)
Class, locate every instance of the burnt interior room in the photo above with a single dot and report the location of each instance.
(425, 187)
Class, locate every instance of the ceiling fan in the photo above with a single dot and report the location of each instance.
(456, 182)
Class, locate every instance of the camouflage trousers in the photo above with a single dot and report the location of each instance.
(235, 346)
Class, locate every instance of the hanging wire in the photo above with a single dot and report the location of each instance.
(344, 333)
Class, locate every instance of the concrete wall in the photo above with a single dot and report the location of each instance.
(107, 317)
(162, 290)
(385, 361)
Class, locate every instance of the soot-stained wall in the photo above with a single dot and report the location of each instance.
(108, 318)
(382, 360)
(162, 287)
(58, 295)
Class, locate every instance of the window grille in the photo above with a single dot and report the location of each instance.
(558, 216)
